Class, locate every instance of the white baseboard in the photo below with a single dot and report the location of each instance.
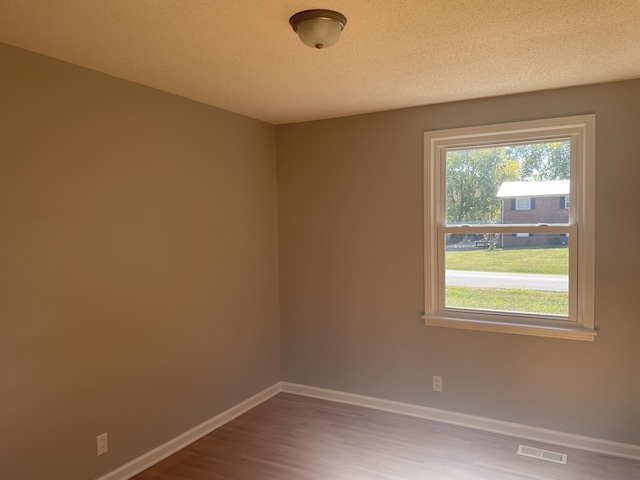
(479, 423)
(137, 465)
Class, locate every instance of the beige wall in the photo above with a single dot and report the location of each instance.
(139, 269)
(138, 266)
(351, 280)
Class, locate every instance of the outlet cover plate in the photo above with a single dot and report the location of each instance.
(102, 443)
(437, 383)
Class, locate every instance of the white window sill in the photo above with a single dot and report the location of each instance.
(567, 332)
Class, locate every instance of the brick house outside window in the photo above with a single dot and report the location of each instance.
(534, 203)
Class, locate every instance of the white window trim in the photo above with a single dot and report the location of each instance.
(581, 131)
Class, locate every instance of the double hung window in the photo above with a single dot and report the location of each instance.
(509, 227)
(523, 203)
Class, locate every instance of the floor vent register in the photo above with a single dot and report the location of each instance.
(542, 454)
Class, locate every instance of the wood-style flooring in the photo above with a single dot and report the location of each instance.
(290, 437)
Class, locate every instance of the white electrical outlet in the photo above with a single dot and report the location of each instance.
(103, 443)
(437, 384)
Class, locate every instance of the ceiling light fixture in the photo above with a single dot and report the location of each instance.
(318, 28)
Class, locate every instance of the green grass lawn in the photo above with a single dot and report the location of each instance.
(510, 300)
(551, 261)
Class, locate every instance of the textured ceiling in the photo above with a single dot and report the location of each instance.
(242, 56)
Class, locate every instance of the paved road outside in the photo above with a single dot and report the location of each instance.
(549, 283)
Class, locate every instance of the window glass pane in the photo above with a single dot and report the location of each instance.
(523, 203)
(530, 276)
(484, 185)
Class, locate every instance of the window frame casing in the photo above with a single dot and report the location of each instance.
(580, 131)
